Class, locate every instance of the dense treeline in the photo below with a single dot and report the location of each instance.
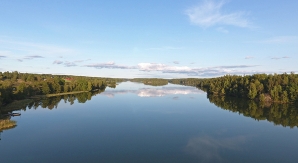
(16, 86)
(151, 81)
(188, 81)
(282, 88)
(278, 113)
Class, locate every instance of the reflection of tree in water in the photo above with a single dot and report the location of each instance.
(279, 114)
(52, 102)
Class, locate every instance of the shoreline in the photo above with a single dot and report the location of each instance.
(19, 104)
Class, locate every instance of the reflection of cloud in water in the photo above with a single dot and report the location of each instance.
(207, 149)
(155, 92)
(110, 95)
(152, 92)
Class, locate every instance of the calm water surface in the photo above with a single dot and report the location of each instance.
(138, 123)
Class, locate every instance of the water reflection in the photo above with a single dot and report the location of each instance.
(52, 102)
(136, 128)
(208, 149)
(156, 91)
(49, 103)
(280, 114)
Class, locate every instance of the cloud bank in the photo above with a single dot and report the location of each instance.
(190, 71)
(33, 57)
(110, 65)
(209, 71)
(57, 62)
(69, 63)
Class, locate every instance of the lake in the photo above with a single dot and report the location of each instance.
(141, 123)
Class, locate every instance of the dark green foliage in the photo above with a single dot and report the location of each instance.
(279, 113)
(16, 86)
(252, 91)
(45, 88)
(281, 88)
(151, 81)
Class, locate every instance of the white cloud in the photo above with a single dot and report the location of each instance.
(209, 14)
(33, 57)
(209, 71)
(57, 62)
(69, 64)
(110, 65)
(161, 67)
(82, 60)
(249, 57)
(189, 71)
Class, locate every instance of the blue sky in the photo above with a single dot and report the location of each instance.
(156, 38)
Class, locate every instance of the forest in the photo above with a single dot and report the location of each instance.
(279, 88)
(18, 86)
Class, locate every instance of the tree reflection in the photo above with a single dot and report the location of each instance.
(52, 102)
(280, 114)
(49, 103)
